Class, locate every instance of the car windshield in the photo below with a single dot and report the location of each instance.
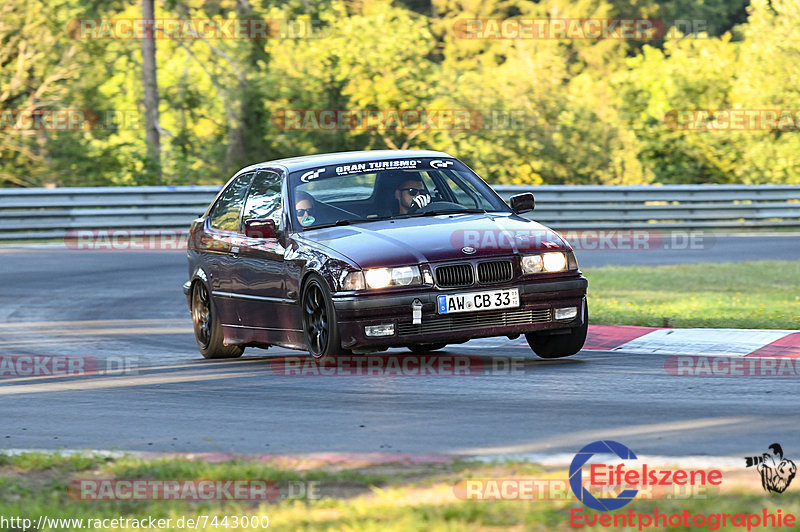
(377, 190)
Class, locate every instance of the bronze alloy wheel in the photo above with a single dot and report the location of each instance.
(207, 329)
(201, 315)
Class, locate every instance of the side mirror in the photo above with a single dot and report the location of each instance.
(522, 203)
(260, 229)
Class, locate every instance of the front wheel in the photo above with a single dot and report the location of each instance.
(560, 345)
(319, 319)
(207, 330)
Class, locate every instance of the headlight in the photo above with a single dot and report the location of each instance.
(353, 281)
(378, 277)
(552, 261)
(531, 263)
(385, 277)
(405, 276)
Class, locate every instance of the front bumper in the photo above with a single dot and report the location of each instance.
(538, 302)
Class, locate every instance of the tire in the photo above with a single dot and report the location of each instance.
(560, 345)
(425, 348)
(207, 329)
(320, 327)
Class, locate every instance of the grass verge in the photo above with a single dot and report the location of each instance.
(747, 295)
(362, 497)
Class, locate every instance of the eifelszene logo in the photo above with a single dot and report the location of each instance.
(776, 471)
(624, 482)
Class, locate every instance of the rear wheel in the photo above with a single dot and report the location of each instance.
(319, 320)
(560, 345)
(207, 329)
(425, 348)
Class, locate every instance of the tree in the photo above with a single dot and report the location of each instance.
(150, 83)
(36, 61)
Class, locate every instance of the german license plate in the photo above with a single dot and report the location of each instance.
(489, 300)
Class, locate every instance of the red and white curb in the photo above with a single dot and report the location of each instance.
(705, 342)
(670, 342)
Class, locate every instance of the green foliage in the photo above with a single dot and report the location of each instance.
(718, 73)
(541, 110)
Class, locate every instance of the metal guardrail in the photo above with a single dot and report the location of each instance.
(681, 207)
(39, 214)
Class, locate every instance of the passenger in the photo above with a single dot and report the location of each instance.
(304, 208)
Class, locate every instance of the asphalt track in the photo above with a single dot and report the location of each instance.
(127, 309)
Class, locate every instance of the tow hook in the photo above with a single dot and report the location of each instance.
(416, 312)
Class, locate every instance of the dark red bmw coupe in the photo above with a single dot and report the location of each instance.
(362, 251)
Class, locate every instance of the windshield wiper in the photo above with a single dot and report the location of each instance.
(349, 222)
(450, 211)
(331, 224)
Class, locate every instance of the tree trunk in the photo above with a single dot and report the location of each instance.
(151, 89)
(236, 153)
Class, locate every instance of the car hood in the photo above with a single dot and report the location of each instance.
(448, 237)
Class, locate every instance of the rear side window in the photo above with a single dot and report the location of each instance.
(227, 213)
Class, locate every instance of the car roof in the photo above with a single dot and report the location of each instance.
(293, 164)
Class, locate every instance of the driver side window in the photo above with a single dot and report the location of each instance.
(465, 193)
(264, 199)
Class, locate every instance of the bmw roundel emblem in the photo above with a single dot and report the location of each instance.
(469, 250)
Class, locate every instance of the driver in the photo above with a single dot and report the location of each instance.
(411, 195)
